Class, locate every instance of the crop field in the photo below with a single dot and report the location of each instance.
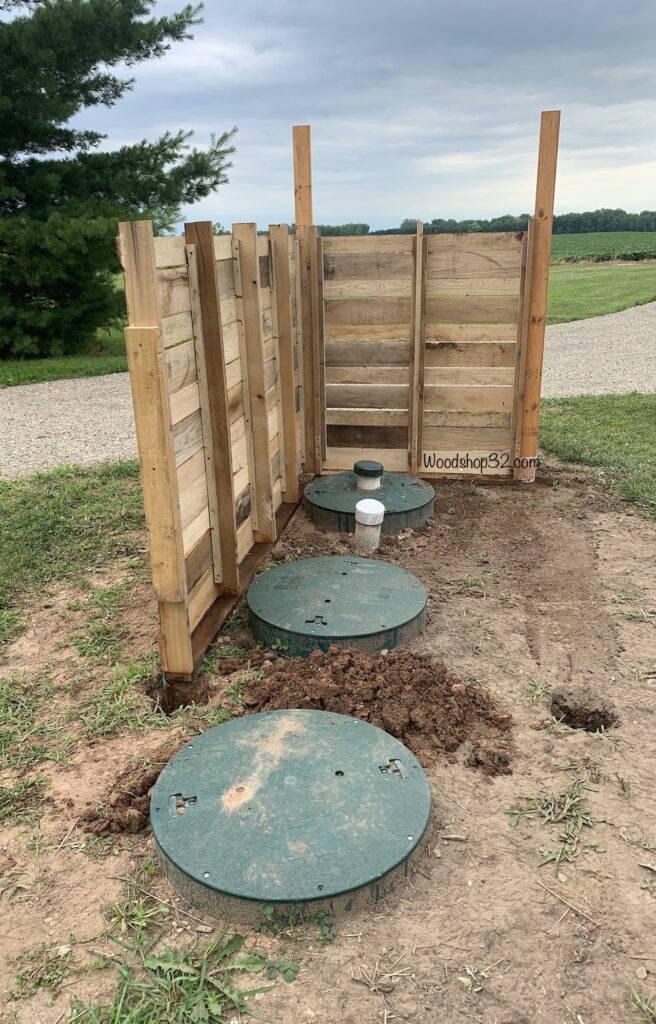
(600, 246)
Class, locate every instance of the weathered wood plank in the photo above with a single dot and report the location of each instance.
(473, 287)
(368, 333)
(173, 291)
(469, 418)
(469, 399)
(471, 332)
(362, 396)
(366, 354)
(339, 245)
(356, 436)
(469, 353)
(366, 266)
(367, 417)
(188, 438)
(367, 312)
(201, 597)
(394, 459)
(176, 328)
(184, 402)
(180, 366)
(281, 294)
(302, 150)
(247, 284)
(200, 236)
(464, 439)
(198, 560)
(222, 247)
(368, 288)
(362, 375)
(463, 375)
(477, 309)
(170, 251)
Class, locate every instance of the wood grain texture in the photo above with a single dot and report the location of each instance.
(367, 417)
(469, 399)
(302, 150)
(437, 331)
(170, 251)
(470, 353)
(247, 284)
(281, 293)
(363, 396)
(200, 236)
(539, 283)
(367, 312)
(180, 366)
(395, 460)
(365, 354)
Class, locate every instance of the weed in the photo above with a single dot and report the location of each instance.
(19, 802)
(537, 689)
(43, 967)
(471, 979)
(279, 645)
(95, 847)
(287, 969)
(570, 810)
(179, 986)
(327, 928)
(120, 701)
(25, 742)
(645, 1006)
(102, 637)
(649, 886)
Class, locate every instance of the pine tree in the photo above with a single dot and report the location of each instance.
(60, 195)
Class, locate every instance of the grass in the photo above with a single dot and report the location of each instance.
(60, 525)
(24, 740)
(583, 290)
(615, 432)
(645, 1006)
(601, 246)
(106, 355)
(569, 810)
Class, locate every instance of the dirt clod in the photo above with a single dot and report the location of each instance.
(414, 698)
(580, 712)
(125, 808)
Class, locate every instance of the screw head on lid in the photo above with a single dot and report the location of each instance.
(366, 467)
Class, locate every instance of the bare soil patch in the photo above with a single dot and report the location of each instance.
(414, 698)
(536, 593)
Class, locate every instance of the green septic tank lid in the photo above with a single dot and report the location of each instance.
(330, 501)
(316, 602)
(287, 807)
(366, 467)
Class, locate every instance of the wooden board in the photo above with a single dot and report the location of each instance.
(395, 460)
(366, 353)
(180, 366)
(356, 436)
(170, 251)
(368, 417)
(361, 312)
(469, 399)
(469, 353)
(366, 266)
(463, 375)
(362, 396)
(369, 333)
(462, 332)
(346, 245)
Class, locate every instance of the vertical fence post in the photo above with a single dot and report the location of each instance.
(200, 235)
(281, 302)
(309, 320)
(302, 174)
(539, 283)
(152, 415)
(247, 287)
(417, 339)
(520, 350)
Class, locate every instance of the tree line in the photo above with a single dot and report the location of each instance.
(564, 224)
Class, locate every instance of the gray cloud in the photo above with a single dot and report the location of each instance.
(419, 108)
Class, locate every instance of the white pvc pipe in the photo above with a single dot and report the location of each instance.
(369, 515)
(369, 483)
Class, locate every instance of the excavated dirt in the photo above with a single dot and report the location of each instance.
(414, 698)
(125, 808)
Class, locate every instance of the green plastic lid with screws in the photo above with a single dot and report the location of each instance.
(288, 807)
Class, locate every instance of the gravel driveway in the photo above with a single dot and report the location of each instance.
(89, 420)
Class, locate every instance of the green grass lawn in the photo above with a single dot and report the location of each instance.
(580, 290)
(106, 355)
(615, 432)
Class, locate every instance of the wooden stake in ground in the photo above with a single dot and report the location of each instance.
(302, 174)
(539, 283)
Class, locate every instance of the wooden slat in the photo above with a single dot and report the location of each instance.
(464, 439)
(339, 245)
(188, 438)
(170, 251)
(355, 436)
(520, 348)
(366, 266)
(362, 396)
(302, 148)
(173, 291)
(470, 287)
(367, 417)
(225, 275)
(198, 559)
(467, 418)
(539, 283)
(366, 353)
(470, 353)
(463, 375)
(222, 247)
(368, 288)
(361, 312)
(281, 291)
(417, 346)
(184, 402)
(200, 236)
(362, 375)
(192, 484)
(469, 399)
(245, 539)
(368, 333)
(476, 309)
(394, 459)
(176, 651)
(471, 332)
(247, 278)
(176, 328)
(180, 367)
(201, 597)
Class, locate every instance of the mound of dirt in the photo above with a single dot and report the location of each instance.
(413, 698)
(126, 806)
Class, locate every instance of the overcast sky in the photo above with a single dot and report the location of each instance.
(419, 108)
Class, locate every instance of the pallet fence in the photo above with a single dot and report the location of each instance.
(254, 358)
